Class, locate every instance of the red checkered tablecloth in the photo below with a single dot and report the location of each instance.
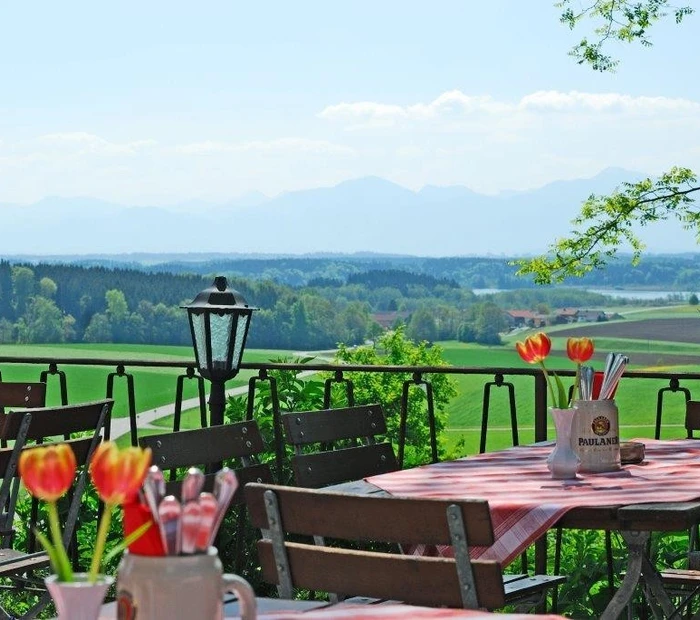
(525, 501)
(393, 610)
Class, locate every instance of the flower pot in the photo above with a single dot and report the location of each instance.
(563, 462)
(78, 599)
(596, 435)
(184, 586)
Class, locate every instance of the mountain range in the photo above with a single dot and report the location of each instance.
(369, 214)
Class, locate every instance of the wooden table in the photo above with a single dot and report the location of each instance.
(525, 502)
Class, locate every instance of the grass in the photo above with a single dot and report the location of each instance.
(153, 387)
(636, 398)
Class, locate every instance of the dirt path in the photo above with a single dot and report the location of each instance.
(145, 419)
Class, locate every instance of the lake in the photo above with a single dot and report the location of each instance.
(616, 293)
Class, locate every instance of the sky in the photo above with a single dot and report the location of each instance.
(160, 103)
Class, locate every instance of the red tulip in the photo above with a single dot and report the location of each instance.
(579, 350)
(535, 348)
(118, 474)
(47, 471)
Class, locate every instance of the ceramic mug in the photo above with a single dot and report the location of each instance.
(185, 586)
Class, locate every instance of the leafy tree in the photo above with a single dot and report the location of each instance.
(47, 288)
(605, 222)
(23, 284)
(395, 349)
(489, 322)
(44, 321)
(99, 329)
(422, 326)
(616, 20)
(693, 300)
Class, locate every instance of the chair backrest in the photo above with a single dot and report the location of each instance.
(692, 417)
(21, 394)
(415, 579)
(359, 425)
(207, 446)
(43, 426)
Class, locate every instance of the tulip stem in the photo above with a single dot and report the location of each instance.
(63, 567)
(549, 385)
(102, 532)
(577, 380)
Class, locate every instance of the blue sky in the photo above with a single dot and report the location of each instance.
(162, 102)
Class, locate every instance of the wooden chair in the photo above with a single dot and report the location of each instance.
(42, 426)
(414, 579)
(25, 395)
(208, 446)
(329, 428)
(684, 583)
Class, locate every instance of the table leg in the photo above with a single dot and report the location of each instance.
(639, 568)
(636, 548)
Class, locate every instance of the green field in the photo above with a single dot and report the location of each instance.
(636, 399)
(154, 387)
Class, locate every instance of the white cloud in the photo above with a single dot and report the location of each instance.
(454, 105)
(574, 101)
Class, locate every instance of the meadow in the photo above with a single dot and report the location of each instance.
(636, 399)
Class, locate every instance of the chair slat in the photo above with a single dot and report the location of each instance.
(54, 421)
(333, 466)
(205, 445)
(692, 416)
(331, 425)
(355, 517)
(22, 394)
(412, 579)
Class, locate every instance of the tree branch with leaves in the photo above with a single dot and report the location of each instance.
(607, 222)
(617, 20)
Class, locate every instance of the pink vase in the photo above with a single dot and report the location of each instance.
(563, 462)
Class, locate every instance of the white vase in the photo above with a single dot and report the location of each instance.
(563, 462)
(78, 599)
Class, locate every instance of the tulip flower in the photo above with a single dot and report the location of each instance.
(535, 350)
(579, 350)
(117, 476)
(47, 473)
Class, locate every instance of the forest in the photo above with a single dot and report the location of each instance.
(304, 303)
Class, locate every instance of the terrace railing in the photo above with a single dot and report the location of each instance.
(51, 371)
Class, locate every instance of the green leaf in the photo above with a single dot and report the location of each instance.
(131, 538)
(562, 398)
(53, 556)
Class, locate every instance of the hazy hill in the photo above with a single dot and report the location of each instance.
(362, 215)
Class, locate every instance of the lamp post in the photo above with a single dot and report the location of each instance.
(219, 320)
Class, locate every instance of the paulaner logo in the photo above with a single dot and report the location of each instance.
(600, 425)
(598, 441)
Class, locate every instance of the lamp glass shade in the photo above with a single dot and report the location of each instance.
(200, 340)
(239, 342)
(220, 329)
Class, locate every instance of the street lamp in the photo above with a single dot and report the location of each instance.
(219, 320)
